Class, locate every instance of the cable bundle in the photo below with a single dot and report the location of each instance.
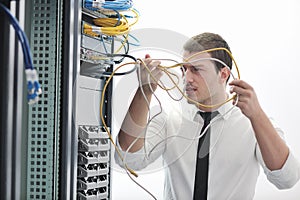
(174, 79)
(33, 86)
(114, 24)
(107, 26)
(110, 26)
(119, 5)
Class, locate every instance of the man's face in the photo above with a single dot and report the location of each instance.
(202, 82)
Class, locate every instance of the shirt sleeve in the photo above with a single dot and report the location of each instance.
(288, 175)
(155, 135)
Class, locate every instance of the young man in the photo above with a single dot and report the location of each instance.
(224, 162)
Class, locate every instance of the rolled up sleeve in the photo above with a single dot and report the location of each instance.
(287, 176)
(153, 148)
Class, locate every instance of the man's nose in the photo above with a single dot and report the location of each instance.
(188, 76)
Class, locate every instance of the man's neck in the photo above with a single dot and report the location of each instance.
(217, 101)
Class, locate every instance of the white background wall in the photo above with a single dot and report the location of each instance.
(264, 39)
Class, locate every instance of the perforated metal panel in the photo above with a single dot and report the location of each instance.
(43, 119)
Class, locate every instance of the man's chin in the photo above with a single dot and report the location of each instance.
(192, 101)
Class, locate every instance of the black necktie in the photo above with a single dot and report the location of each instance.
(201, 176)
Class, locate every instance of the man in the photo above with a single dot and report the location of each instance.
(224, 162)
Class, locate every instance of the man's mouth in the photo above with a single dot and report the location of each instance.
(190, 90)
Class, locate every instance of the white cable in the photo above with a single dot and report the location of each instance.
(199, 136)
(215, 119)
(214, 59)
(142, 133)
(150, 119)
(142, 88)
(141, 185)
(148, 105)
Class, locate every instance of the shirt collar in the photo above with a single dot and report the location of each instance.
(224, 110)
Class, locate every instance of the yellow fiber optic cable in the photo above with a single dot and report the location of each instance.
(182, 93)
(127, 34)
(219, 49)
(169, 74)
(103, 120)
(108, 25)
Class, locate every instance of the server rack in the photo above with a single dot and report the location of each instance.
(39, 143)
(54, 149)
(82, 169)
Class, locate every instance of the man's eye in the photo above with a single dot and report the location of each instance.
(195, 69)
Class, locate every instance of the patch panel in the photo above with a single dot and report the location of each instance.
(93, 157)
(94, 194)
(93, 163)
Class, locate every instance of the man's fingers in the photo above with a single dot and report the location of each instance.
(147, 61)
(240, 83)
(236, 89)
(157, 73)
(151, 64)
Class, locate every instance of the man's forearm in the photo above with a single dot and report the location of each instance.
(273, 148)
(134, 122)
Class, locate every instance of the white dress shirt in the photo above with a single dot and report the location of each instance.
(234, 156)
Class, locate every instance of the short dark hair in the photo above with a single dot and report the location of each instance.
(205, 41)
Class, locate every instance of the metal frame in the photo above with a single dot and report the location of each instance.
(11, 71)
(71, 46)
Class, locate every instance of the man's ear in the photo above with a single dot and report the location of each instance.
(224, 74)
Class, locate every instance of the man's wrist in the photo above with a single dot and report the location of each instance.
(146, 90)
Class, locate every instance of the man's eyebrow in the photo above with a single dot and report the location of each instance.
(192, 65)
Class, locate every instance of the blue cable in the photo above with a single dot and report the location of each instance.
(103, 43)
(119, 18)
(112, 5)
(22, 38)
(135, 39)
(33, 86)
